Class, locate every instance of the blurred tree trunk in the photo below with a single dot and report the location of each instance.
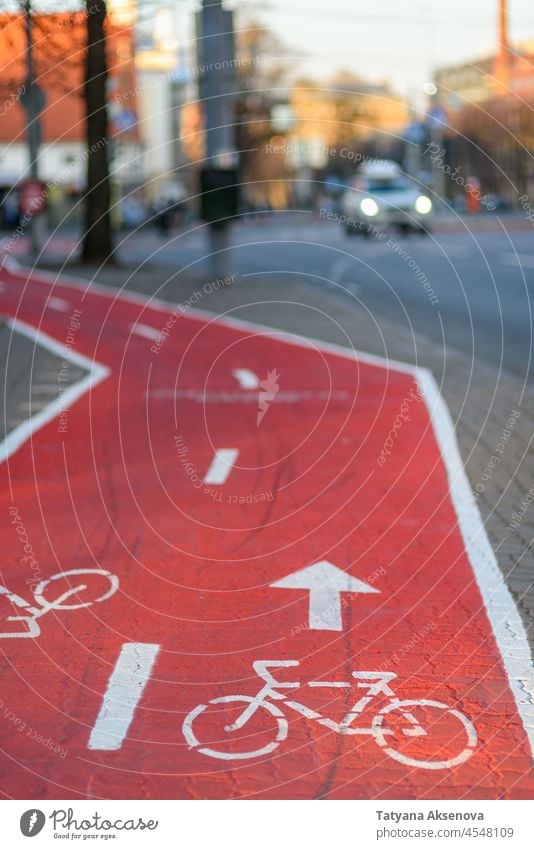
(97, 242)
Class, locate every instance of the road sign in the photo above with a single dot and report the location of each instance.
(187, 663)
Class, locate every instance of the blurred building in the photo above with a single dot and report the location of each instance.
(165, 88)
(477, 81)
(345, 110)
(150, 84)
(336, 121)
(505, 73)
(490, 113)
(59, 40)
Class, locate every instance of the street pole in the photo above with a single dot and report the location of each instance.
(216, 53)
(33, 108)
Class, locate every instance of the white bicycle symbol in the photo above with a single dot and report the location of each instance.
(34, 612)
(376, 683)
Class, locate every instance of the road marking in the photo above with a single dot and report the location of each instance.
(206, 317)
(125, 688)
(503, 614)
(340, 266)
(375, 683)
(43, 606)
(337, 271)
(221, 465)
(58, 304)
(237, 397)
(246, 378)
(519, 260)
(325, 583)
(145, 330)
(27, 428)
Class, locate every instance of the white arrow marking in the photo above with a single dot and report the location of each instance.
(246, 378)
(325, 583)
(125, 688)
(221, 465)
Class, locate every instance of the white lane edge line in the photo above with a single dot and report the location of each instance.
(145, 330)
(97, 372)
(503, 615)
(500, 606)
(207, 317)
(246, 378)
(124, 690)
(221, 466)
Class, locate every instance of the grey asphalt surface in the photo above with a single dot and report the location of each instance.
(483, 282)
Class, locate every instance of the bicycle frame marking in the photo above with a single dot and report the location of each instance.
(375, 683)
(43, 606)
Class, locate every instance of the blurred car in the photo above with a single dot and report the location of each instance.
(382, 196)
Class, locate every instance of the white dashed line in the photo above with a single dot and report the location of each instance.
(246, 378)
(221, 465)
(58, 304)
(145, 330)
(125, 688)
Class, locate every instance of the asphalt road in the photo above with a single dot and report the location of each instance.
(465, 289)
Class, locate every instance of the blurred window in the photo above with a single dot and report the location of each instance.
(387, 185)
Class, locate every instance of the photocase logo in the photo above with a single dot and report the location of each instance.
(268, 392)
(32, 822)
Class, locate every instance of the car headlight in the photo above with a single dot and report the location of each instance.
(423, 205)
(369, 207)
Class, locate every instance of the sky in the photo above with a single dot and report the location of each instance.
(402, 41)
(398, 40)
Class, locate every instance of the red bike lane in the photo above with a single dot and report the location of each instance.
(275, 512)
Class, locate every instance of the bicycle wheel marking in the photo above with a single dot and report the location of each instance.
(125, 688)
(30, 626)
(375, 684)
